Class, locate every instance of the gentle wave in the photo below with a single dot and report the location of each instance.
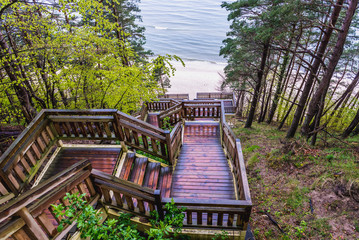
(190, 29)
(160, 28)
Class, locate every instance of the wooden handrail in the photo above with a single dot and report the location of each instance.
(42, 189)
(231, 214)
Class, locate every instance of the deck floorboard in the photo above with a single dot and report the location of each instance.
(103, 159)
(202, 170)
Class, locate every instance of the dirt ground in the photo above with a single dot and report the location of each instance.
(299, 191)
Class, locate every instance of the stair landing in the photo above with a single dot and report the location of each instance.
(202, 170)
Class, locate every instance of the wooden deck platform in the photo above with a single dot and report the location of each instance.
(202, 170)
(103, 159)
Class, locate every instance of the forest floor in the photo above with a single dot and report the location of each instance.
(310, 192)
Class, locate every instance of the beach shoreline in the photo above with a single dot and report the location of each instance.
(196, 76)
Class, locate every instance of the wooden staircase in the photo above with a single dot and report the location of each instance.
(103, 159)
(202, 170)
(147, 173)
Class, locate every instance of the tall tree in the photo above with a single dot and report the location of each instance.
(317, 102)
(314, 68)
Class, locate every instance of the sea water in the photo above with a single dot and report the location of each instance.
(191, 29)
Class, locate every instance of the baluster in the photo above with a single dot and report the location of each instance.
(82, 189)
(40, 143)
(154, 145)
(199, 218)
(129, 202)
(20, 235)
(135, 137)
(67, 131)
(128, 135)
(90, 129)
(163, 149)
(46, 224)
(58, 129)
(13, 180)
(230, 219)
(31, 157)
(74, 129)
(90, 187)
(209, 219)
(144, 140)
(82, 129)
(220, 219)
(36, 150)
(32, 224)
(107, 130)
(45, 138)
(118, 199)
(189, 217)
(20, 173)
(98, 128)
(25, 165)
(152, 207)
(106, 194)
(50, 133)
(141, 206)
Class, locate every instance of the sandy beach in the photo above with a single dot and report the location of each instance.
(196, 76)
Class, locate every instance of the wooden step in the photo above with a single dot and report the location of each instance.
(127, 166)
(165, 182)
(152, 175)
(138, 171)
(103, 159)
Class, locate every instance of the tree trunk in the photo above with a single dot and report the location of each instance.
(351, 126)
(314, 69)
(258, 86)
(315, 102)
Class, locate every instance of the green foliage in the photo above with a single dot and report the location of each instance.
(251, 148)
(90, 58)
(90, 224)
(297, 197)
(166, 125)
(221, 236)
(89, 220)
(152, 157)
(300, 230)
(173, 219)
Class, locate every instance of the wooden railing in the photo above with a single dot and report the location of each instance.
(128, 196)
(233, 214)
(188, 110)
(22, 160)
(176, 140)
(184, 96)
(215, 95)
(220, 214)
(24, 157)
(234, 151)
(228, 99)
(37, 218)
(159, 105)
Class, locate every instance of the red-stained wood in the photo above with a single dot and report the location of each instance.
(103, 159)
(202, 170)
(126, 169)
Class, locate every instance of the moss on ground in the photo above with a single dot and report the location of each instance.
(308, 190)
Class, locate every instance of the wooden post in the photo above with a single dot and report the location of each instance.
(32, 224)
(159, 121)
(158, 203)
(169, 147)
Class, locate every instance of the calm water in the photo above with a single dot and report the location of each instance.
(191, 29)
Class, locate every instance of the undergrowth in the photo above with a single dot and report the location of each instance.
(309, 191)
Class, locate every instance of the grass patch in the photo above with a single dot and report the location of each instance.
(152, 157)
